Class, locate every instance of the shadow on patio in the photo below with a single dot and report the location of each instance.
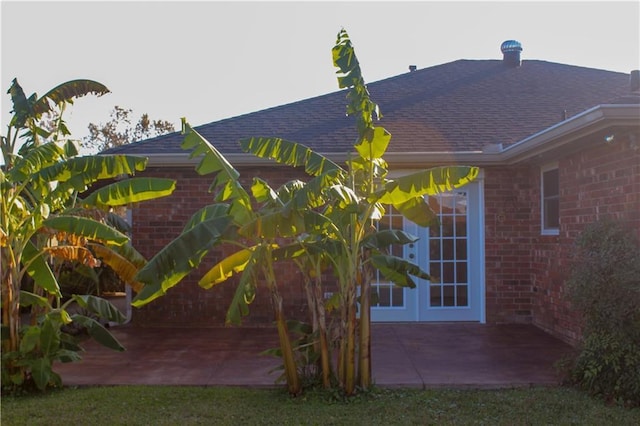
(408, 355)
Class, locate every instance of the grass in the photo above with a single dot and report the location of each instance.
(167, 405)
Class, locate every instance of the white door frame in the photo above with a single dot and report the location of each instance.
(416, 305)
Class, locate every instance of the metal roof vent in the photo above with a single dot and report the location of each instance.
(511, 53)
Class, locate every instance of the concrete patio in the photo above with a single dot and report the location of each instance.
(418, 355)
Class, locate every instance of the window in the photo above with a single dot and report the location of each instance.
(550, 199)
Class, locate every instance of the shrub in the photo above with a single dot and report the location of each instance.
(604, 286)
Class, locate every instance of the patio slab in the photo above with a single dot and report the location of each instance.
(418, 355)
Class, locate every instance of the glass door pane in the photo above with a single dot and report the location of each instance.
(449, 286)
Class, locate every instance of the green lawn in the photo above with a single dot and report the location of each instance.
(166, 405)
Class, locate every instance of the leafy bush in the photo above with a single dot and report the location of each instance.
(605, 287)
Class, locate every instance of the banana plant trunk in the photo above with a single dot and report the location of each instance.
(364, 354)
(10, 304)
(290, 368)
(10, 313)
(350, 353)
(342, 349)
(325, 355)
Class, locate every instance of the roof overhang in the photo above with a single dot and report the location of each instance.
(579, 132)
(584, 130)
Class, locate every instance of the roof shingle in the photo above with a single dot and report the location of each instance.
(460, 106)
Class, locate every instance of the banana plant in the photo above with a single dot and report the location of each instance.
(355, 202)
(25, 127)
(232, 219)
(327, 220)
(44, 221)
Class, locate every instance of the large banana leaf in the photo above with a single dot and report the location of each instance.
(99, 306)
(226, 181)
(364, 169)
(386, 237)
(118, 222)
(86, 227)
(36, 159)
(79, 172)
(177, 259)
(425, 182)
(122, 266)
(246, 289)
(262, 191)
(373, 144)
(213, 161)
(346, 198)
(275, 224)
(285, 223)
(295, 250)
(350, 75)
(73, 253)
(287, 192)
(131, 191)
(209, 212)
(398, 270)
(289, 153)
(31, 299)
(33, 107)
(130, 253)
(38, 269)
(418, 211)
(67, 92)
(311, 195)
(22, 107)
(345, 59)
(225, 269)
(98, 332)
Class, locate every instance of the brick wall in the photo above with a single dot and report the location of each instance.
(597, 183)
(525, 271)
(157, 222)
(508, 208)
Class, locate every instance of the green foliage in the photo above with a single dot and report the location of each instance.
(605, 287)
(306, 355)
(46, 229)
(47, 340)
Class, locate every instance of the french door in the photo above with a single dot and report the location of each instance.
(453, 255)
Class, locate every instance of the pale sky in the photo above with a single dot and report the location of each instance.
(211, 60)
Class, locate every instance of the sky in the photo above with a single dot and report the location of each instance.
(210, 60)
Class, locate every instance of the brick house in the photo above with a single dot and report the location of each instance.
(558, 146)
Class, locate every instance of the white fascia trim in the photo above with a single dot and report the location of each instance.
(566, 132)
(557, 136)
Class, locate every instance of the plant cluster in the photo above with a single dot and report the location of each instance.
(327, 223)
(50, 224)
(605, 287)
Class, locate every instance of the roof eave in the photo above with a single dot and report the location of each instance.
(563, 137)
(577, 132)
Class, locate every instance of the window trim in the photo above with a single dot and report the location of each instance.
(544, 230)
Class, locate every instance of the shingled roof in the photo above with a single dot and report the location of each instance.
(461, 106)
